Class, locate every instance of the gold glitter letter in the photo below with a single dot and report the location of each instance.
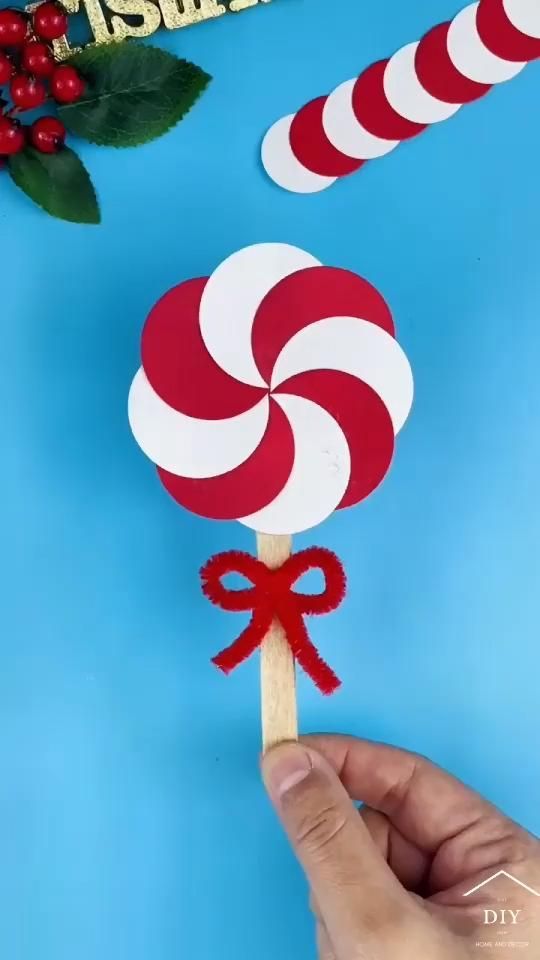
(189, 11)
(98, 23)
(236, 5)
(145, 9)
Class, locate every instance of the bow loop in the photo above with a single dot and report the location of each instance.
(234, 561)
(272, 597)
(335, 583)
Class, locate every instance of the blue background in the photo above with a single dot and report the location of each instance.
(133, 822)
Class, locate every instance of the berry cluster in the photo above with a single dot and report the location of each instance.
(27, 67)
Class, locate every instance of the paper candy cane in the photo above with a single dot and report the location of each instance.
(271, 393)
(396, 99)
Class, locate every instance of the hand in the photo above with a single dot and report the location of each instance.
(388, 881)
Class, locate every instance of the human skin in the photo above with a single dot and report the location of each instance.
(388, 882)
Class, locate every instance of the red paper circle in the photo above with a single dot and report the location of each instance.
(312, 147)
(178, 365)
(305, 297)
(437, 73)
(362, 416)
(251, 486)
(501, 36)
(373, 110)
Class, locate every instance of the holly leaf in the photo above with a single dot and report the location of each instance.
(58, 182)
(133, 94)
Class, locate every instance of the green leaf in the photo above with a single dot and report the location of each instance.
(58, 182)
(133, 95)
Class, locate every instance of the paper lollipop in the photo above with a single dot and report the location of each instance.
(396, 99)
(271, 393)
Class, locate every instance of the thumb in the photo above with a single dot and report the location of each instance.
(360, 900)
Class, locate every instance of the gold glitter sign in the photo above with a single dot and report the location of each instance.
(114, 20)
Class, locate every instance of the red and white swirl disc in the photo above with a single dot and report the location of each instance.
(272, 391)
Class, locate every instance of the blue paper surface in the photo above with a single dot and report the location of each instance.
(132, 820)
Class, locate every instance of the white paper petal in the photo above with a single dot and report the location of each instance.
(345, 132)
(190, 447)
(359, 348)
(469, 55)
(231, 299)
(282, 166)
(406, 94)
(320, 474)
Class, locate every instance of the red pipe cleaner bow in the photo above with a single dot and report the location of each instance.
(272, 597)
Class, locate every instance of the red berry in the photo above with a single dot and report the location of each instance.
(48, 134)
(12, 138)
(6, 68)
(67, 85)
(37, 58)
(13, 27)
(50, 21)
(26, 92)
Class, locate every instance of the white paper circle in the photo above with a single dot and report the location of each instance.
(320, 473)
(345, 132)
(231, 299)
(190, 447)
(406, 94)
(471, 57)
(282, 166)
(524, 15)
(359, 348)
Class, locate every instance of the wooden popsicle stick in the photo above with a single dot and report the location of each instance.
(278, 675)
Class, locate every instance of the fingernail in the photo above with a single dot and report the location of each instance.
(284, 767)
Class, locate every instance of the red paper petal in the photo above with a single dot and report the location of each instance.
(363, 418)
(248, 488)
(178, 365)
(373, 110)
(501, 36)
(305, 297)
(312, 147)
(437, 73)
